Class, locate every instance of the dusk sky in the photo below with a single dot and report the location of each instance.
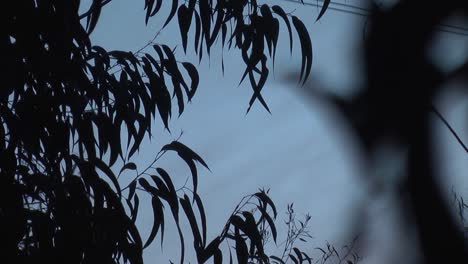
(304, 152)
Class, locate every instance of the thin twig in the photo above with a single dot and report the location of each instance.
(446, 123)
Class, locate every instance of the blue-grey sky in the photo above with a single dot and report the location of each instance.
(303, 152)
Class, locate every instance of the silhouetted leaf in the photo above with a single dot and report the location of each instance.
(250, 229)
(150, 11)
(205, 15)
(270, 221)
(145, 184)
(324, 8)
(223, 34)
(131, 189)
(210, 250)
(93, 17)
(175, 3)
(299, 254)
(185, 202)
(136, 204)
(168, 193)
(182, 243)
(197, 31)
(201, 210)
(149, 8)
(279, 11)
(128, 166)
(189, 157)
(158, 220)
(193, 73)
(293, 258)
(218, 257)
(241, 250)
(278, 260)
(218, 23)
(264, 197)
(105, 168)
(257, 87)
(185, 18)
(179, 95)
(309, 259)
(306, 47)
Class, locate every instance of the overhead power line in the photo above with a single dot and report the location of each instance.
(365, 12)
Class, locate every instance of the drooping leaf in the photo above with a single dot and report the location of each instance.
(138, 138)
(185, 202)
(241, 249)
(175, 3)
(182, 243)
(223, 34)
(266, 22)
(189, 157)
(293, 258)
(270, 221)
(167, 180)
(201, 210)
(110, 174)
(193, 73)
(158, 220)
(218, 23)
(150, 11)
(279, 11)
(205, 15)
(324, 8)
(149, 8)
(131, 190)
(218, 257)
(185, 18)
(179, 95)
(306, 47)
(298, 254)
(309, 259)
(145, 184)
(277, 259)
(264, 197)
(197, 31)
(136, 204)
(252, 232)
(257, 87)
(93, 17)
(128, 166)
(168, 193)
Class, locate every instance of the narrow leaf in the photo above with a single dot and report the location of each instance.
(175, 3)
(279, 11)
(306, 46)
(158, 214)
(324, 8)
(194, 77)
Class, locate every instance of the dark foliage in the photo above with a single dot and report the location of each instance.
(64, 105)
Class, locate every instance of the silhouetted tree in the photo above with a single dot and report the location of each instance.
(63, 105)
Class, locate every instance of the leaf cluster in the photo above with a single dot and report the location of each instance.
(251, 28)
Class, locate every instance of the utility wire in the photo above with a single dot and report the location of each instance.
(364, 12)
